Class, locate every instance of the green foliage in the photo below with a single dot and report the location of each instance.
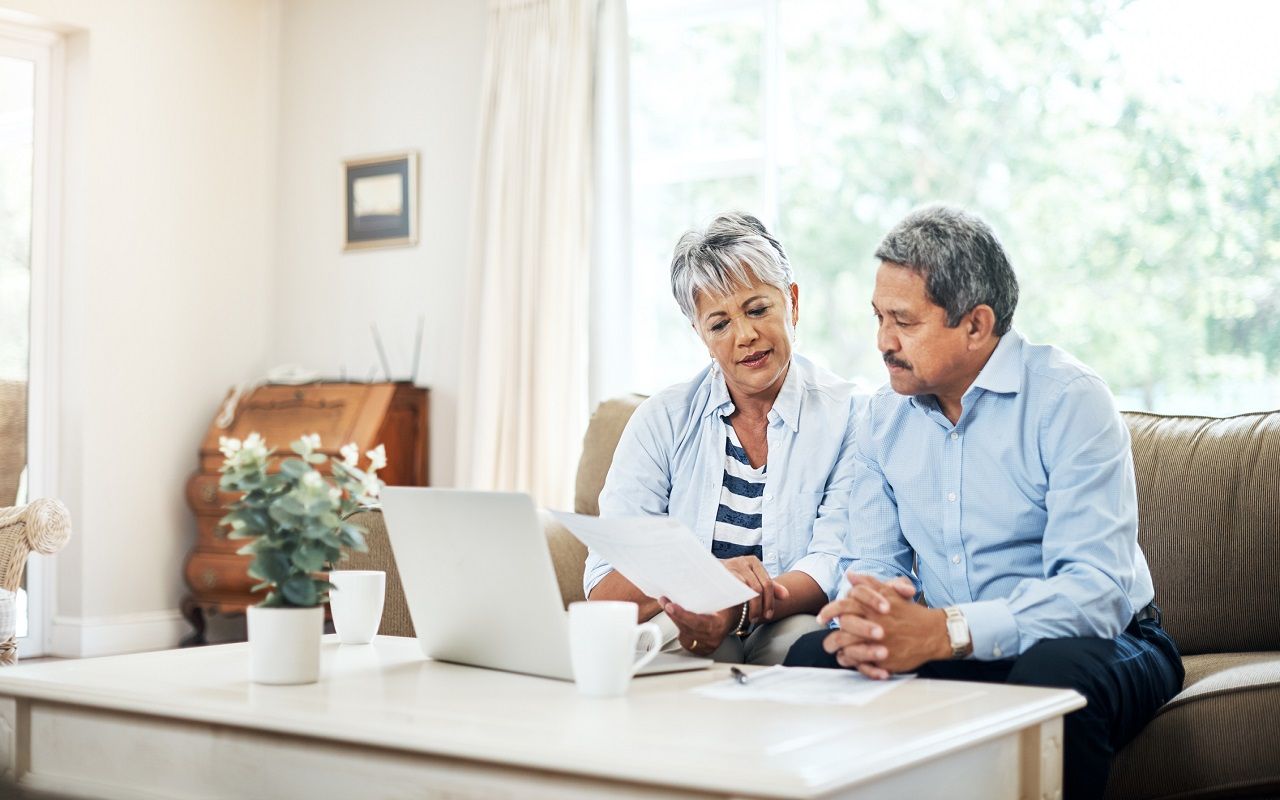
(1140, 212)
(294, 517)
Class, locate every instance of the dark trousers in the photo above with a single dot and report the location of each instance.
(1125, 681)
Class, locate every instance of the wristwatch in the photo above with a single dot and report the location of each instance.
(958, 631)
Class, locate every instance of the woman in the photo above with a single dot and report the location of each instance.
(752, 455)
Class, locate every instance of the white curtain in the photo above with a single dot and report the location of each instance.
(522, 397)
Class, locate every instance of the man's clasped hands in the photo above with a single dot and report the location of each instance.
(882, 629)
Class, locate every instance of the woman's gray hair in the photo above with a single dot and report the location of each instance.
(960, 259)
(733, 251)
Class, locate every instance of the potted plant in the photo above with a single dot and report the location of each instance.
(295, 517)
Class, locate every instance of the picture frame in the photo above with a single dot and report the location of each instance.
(381, 200)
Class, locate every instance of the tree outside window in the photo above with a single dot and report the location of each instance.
(1127, 153)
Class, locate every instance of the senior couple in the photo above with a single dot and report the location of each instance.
(974, 519)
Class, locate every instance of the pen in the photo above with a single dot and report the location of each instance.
(738, 675)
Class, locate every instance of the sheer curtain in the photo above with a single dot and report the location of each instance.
(523, 392)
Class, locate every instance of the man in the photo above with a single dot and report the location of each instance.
(995, 475)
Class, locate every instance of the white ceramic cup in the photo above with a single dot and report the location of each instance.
(603, 640)
(356, 601)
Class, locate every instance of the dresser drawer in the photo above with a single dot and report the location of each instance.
(210, 573)
(204, 496)
(212, 537)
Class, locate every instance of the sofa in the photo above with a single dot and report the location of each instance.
(1209, 504)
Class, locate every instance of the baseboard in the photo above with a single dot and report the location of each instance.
(88, 637)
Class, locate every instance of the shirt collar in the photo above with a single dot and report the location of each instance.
(785, 407)
(1002, 373)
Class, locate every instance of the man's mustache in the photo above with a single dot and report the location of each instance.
(894, 362)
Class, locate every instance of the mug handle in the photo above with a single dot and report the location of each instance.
(655, 633)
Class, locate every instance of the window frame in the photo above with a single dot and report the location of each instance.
(46, 50)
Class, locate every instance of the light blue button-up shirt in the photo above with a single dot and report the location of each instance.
(1024, 514)
(671, 459)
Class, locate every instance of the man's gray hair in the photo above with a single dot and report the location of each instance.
(733, 251)
(960, 259)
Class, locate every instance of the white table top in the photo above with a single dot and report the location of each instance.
(388, 695)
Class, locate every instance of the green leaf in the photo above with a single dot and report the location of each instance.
(308, 558)
(295, 468)
(316, 505)
(282, 516)
(273, 600)
(271, 565)
(300, 590)
(357, 542)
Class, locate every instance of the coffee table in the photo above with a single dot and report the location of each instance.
(385, 722)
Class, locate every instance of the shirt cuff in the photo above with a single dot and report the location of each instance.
(992, 629)
(824, 569)
(876, 569)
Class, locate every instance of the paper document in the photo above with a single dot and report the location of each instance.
(662, 558)
(804, 685)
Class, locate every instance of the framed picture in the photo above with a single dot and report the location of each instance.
(382, 201)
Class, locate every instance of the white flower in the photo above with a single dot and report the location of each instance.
(312, 480)
(335, 494)
(254, 446)
(370, 486)
(229, 447)
(350, 454)
(377, 458)
(311, 441)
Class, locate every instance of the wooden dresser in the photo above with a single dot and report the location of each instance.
(369, 414)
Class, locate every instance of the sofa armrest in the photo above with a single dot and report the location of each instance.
(568, 556)
(395, 611)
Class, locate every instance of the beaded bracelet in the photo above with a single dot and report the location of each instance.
(741, 630)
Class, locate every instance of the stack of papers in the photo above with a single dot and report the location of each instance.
(805, 686)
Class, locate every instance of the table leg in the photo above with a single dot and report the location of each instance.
(1041, 768)
(193, 613)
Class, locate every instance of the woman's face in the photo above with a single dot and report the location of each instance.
(749, 335)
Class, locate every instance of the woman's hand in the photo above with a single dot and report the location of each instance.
(701, 634)
(750, 571)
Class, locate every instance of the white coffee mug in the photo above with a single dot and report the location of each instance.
(356, 601)
(603, 640)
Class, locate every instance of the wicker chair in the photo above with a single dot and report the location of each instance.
(13, 438)
(43, 526)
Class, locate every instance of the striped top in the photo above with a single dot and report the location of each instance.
(738, 519)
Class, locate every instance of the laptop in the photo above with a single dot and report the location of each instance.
(480, 585)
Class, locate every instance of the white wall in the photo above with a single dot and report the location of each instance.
(365, 78)
(167, 220)
(202, 224)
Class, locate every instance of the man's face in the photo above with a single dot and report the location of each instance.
(923, 355)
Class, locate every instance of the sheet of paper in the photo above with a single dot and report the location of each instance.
(805, 686)
(662, 558)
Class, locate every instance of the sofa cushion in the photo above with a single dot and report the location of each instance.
(1215, 739)
(1209, 524)
(568, 557)
(603, 433)
(395, 611)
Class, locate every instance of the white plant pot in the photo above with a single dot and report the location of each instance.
(284, 644)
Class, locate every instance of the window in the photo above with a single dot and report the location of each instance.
(1125, 152)
(28, 81)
